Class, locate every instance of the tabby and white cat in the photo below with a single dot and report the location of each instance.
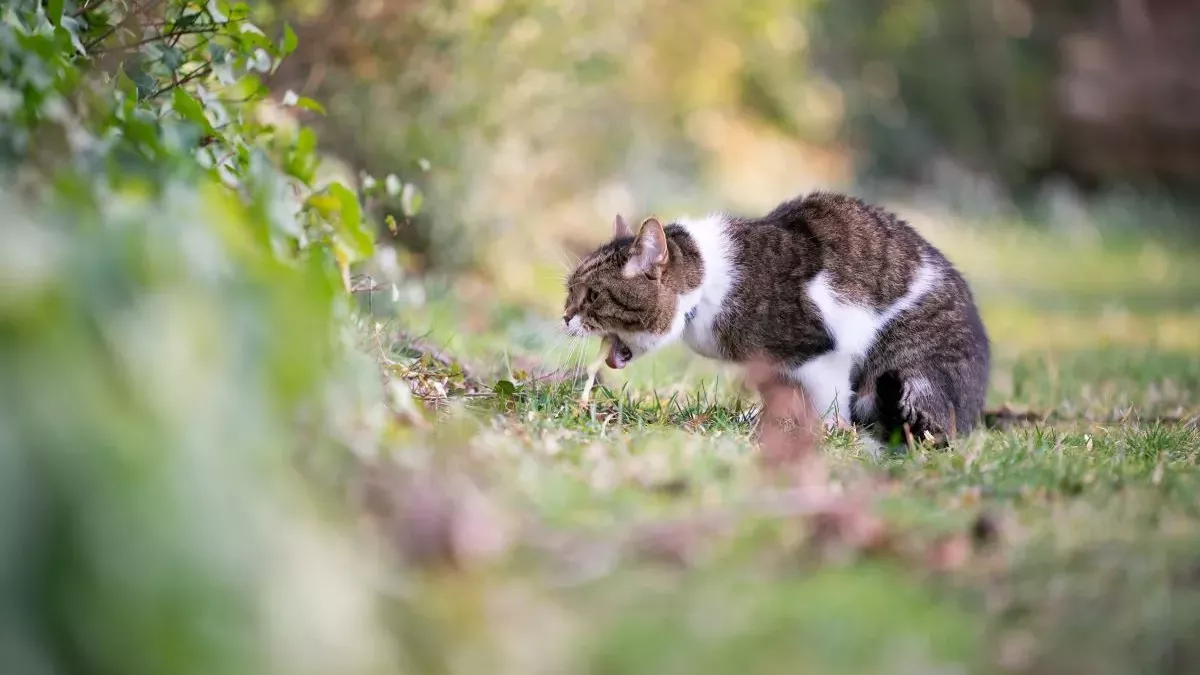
(848, 300)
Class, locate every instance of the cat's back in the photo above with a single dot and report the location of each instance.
(869, 253)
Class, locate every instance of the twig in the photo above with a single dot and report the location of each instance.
(127, 19)
(199, 72)
(86, 7)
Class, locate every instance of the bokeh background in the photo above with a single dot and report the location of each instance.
(1008, 132)
(550, 117)
(216, 459)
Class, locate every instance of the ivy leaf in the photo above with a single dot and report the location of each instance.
(325, 204)
(247, 27)
(410, 200)
(73, 26)
(393, 185)
(190, 108)
(301, 160)
(187, 20)
(214, 10)
(289, 40)
(126, 85)
(260, 60)
(54, 11)
(309, 104)
(352, 231)
(248, 88)
(172, 57)
(351, 210)
(292, 99)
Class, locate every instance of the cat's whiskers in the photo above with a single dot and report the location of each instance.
(566, 354)
(564, 259)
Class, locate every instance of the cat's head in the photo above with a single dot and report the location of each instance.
(629, 289)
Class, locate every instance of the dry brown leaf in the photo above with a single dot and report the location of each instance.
(849, 527)
(434, 521)
(677, 543)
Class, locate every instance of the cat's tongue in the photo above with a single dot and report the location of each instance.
(618, 353)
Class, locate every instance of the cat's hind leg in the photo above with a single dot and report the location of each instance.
(913, 404)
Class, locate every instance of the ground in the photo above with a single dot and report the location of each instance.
(642, 534)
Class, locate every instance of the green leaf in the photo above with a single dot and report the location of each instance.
(351, 210)
(411, 200)
(306, 142)
(54, 11)
(73, 26)
(351, 218)
(309, 104)
(190, 108)
(125, 84)
(289, 40)
(247, 27)
(291, 99)
(325, 204)
(172, 57)
(249, 87)
(187, 20)
(214, 10)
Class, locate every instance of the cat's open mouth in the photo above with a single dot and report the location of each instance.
(619, 353)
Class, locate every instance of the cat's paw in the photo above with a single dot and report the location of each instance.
(921, 425)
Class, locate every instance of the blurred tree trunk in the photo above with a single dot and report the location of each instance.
(1128, 95)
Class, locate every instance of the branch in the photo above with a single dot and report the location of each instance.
(199, 72)
(87, 6)
(128, 18)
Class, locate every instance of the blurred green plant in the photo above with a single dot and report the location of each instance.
(910, 103)
(175, 337)
(103, 94)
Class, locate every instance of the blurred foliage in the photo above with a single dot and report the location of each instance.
(525, 111)
(929, 81)
(550, 116)
(175, 334)
(105, 93)
(1019, 92)
(189, 393)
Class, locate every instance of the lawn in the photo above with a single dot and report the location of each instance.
(642, 535)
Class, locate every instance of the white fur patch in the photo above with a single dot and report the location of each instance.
(720, 275)
(826, 380)
(864, 406)
(854, 328)
(644, 342)
(575, 327)
(927, 277)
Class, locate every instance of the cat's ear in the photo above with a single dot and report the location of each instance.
(621, 228)
(648, 254)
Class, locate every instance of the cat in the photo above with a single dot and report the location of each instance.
(843, 297)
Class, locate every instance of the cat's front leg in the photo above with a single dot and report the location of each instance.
(826, 381)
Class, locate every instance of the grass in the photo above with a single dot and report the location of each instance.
(1066, 544)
